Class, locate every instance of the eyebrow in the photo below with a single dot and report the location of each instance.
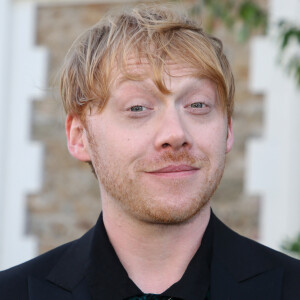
(149, 87)
(196, 85)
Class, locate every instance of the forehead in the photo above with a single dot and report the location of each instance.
(141, 70)
(170, 66)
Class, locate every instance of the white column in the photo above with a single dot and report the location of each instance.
(23, 77)
(273, 161)
(5, 24)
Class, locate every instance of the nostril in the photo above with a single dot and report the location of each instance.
(184, 144)
(165, 145)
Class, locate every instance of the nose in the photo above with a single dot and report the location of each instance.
(172, 132)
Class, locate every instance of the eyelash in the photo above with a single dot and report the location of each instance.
(132, 108)
(142, 106)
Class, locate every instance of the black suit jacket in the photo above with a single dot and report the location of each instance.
(241, 270)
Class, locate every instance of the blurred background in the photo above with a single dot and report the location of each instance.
(48, 198)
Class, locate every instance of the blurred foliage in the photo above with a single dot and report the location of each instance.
(289, 36)
(288, 32)
(292, 246)
(246, 17)
(243, 17)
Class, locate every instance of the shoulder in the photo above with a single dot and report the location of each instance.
(246, 259)
(289, 265)
(13, 281)
(275, 256)
(236, 246)
(64, 262)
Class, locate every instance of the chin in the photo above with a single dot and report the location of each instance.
(170, 214)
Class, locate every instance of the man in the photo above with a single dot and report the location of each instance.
(149, 101)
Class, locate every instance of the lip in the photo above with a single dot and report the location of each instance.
(175, 171)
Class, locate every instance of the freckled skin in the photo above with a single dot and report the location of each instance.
(126, 145)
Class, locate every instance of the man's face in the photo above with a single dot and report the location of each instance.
(159, 157)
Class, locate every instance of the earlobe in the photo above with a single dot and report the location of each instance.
(230, 136)
(77, 141)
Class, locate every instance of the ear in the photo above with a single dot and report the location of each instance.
(77, 140)
(230, 137)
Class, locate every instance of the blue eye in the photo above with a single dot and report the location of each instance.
(198, 105)
(137, 108)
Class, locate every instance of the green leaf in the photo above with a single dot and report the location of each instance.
(244, 33)
(292, 246)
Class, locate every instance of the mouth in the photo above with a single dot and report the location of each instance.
(175, 171)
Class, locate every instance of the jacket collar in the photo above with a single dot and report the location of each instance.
(71, 268)
(242, 257)
(241, 268)
(238, 265)
(66, 280)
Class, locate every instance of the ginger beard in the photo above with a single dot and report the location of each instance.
(127, 186)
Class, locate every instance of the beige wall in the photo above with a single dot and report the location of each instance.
(69, 202)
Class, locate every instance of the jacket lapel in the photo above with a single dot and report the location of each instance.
(241, 268)
(66, 280)
(45, 290)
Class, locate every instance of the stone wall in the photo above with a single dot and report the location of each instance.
(69, 202)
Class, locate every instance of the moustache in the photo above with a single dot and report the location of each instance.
(169, 158)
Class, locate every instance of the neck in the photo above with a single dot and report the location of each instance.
(155, 256)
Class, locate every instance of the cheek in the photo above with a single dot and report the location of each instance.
(134, 140)
(213, 141)
(124, 147)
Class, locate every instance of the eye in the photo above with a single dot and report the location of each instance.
(198, 105)
(137, 108)
(198, 108)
